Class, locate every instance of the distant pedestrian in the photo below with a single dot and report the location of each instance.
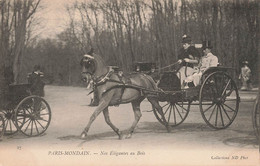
(35, 79)
(245, 76)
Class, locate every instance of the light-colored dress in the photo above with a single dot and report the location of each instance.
(207, 61)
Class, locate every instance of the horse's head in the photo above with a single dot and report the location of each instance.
(88, 65)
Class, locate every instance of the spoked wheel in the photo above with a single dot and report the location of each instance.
(174, 112)
(9, 123)
(2, 126)
(33, 116)
(219, 100)
(256, 118)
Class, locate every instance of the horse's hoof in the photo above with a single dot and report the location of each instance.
(83, 135)
(120, 135)
(169, 129)
(128, 136)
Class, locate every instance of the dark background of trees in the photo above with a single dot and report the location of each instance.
(124, 32)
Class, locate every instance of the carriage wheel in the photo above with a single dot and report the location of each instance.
(2, 126)
(219, 100)
(256, 118)
(174, 112)
(33, 116)
(8, 116)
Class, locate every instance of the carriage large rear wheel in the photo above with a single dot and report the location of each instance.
(219, 100)
(32, 116)
(174, 112)
(256, 118)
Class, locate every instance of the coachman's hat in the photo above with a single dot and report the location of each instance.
(37, 67)
(186, 39)
(206, 44)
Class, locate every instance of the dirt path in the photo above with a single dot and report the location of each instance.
(191, 143)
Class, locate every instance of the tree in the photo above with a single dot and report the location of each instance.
(15, 23)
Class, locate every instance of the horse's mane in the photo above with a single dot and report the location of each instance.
(98, 58)
(101, 65)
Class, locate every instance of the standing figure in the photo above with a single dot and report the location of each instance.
(35, 79)
(188, 58)
(245, 76)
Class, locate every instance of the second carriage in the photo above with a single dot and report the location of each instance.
(217, 97)
(24, 111)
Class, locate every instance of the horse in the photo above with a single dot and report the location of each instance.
(113, 89)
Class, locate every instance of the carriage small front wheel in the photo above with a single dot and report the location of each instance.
(32, 116)
(174, 112)
(219, 100)
(9, 123)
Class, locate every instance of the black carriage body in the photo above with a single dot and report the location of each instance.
(17, 92)
(171, 85)
(169, 81)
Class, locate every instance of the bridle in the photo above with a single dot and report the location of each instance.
(88, 60)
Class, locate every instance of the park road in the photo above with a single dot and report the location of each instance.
(190, 143)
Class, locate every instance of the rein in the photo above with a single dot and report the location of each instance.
(165, 67)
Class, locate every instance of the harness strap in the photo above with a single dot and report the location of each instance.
(186, 66)
(103, 79)
(122, 89)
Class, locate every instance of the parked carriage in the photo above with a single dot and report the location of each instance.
(22, 111)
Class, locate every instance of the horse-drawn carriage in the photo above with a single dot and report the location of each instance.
(217, 95)
(23, 111)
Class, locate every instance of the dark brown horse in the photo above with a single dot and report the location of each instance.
(112, 90)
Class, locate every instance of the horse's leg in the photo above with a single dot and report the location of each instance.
(138, 115)
(103, 104)
(156, 104)
(107, 119)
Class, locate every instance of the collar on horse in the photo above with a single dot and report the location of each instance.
(103, 78)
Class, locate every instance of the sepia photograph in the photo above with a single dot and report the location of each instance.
(129, 82)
